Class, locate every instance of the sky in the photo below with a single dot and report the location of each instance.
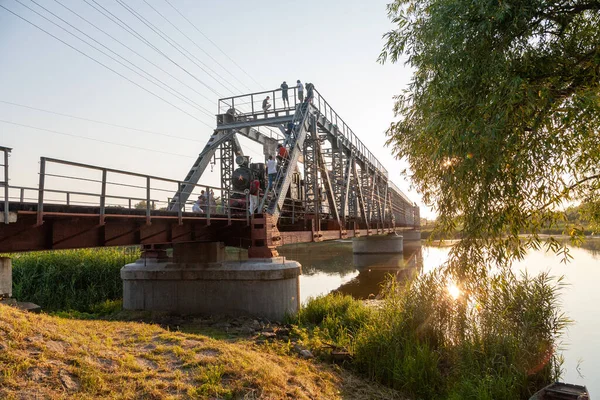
(234, 47)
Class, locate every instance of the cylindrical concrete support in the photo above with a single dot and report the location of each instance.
(378, 252)
(5, 277)
(261, 287)
(413, 235)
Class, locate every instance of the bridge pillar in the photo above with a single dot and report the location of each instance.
(199, 280)
(412, 235)
(379, 251)
(5, 277)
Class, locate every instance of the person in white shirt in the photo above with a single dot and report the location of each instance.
(196, 206)
(300, 90)
(271, 171)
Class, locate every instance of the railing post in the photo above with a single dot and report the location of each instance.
(208, 205)
(252, 102)
(22, 195)
(103, 197)
(40, 207)
(147, 200)
(228, 207)
(179, 210)
(6, 213)
(68, 198)
(129, 204)
(247, 208)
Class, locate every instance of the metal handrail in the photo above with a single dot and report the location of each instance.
(103, 196)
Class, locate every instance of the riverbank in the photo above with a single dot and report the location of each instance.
(49, 357)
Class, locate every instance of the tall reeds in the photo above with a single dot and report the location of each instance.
(70, 279)
(497, 339)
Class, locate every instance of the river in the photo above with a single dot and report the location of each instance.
(329, 266)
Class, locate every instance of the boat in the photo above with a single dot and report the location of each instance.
(562, 391)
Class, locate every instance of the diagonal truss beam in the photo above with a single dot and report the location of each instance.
(361, 200)
(328, 186)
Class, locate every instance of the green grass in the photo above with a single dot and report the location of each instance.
(497, 340)
(81, 280)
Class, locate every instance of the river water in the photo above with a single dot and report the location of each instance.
(329, 267)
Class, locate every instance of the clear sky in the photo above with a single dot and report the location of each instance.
(331, 43)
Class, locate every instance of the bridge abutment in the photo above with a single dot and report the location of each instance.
(199, 280)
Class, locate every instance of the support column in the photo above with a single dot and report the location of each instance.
(199, 280)
(381, 251)
(5, 277)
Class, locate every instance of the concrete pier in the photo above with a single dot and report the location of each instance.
(412, 235)
(5, 277)
(378, 251)
(198, 280)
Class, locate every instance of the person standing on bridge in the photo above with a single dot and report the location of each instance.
(300, 88)
(254, 192)
(196, 206)
(310, 92)
(271, 171)
(284, 94)
(266, 105)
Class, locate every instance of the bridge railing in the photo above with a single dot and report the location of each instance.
(5, 181)
(116, 189)
(249, 107)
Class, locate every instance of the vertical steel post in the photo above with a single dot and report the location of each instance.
(179, 211)
(68, 198)
(148, 200)
(40, 207)
(248, 208)
(22, 195)
(6, 186)
(208, 205)
(228, 206)
(103, 197)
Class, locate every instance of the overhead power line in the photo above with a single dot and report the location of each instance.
(100, 122)
(134, 51)
(167, 39)
(200, 48)
(104, 65)
(213, 43)
(169, 89)
(93, 139)
(123, 25)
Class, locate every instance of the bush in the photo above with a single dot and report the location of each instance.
(71, 279)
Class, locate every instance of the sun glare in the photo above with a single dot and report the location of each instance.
(453, 290)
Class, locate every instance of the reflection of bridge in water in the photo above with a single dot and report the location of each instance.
(336, 259)
(327, 186)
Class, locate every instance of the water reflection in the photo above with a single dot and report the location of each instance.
(328, 267)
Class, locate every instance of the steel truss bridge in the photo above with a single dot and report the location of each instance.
(330, 187)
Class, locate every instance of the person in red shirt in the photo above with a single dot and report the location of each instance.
(282, 153)
(254, 192)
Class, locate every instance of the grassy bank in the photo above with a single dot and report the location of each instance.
(47, 357)
(71, 279)
(496, 340)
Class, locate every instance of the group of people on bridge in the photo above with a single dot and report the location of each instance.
(310, 94)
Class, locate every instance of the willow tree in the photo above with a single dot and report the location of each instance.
(500, 122)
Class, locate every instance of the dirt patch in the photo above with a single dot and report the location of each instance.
(38, 374)
(56, 346)
(107, 363)
(209, 352)
(68, 381)
(146, 364)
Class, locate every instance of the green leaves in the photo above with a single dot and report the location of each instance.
(500, 121)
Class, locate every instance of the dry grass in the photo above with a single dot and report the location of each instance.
(45, 357)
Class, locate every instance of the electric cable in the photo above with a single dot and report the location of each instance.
(150, 25)
(177, 94)
(213, 43)
(133, 51)
(104, 65)
(93, 139)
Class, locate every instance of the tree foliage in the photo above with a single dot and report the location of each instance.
(500, 122)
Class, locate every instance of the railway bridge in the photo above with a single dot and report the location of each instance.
(328, 186)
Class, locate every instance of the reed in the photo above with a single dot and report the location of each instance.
(78, 280)
(497, 339)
